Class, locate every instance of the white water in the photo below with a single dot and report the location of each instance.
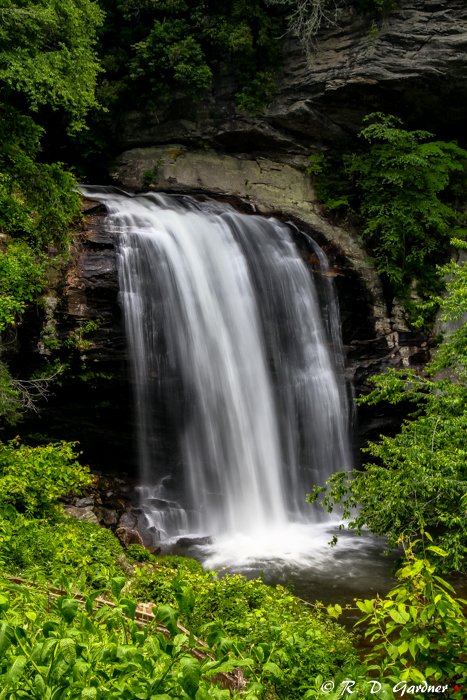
(225, 332)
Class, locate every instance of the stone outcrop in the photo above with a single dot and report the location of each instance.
(411, 61)
(374, 330)
(90, 292)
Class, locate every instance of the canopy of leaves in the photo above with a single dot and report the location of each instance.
(47, 64)
(38, 200)
(47, 56)
(22, 274)
(158, 49)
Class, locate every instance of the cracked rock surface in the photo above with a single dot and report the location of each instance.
(411, 61)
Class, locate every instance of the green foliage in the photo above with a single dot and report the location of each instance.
(418, 477)
(58, 548)
(169, 58)
(159, 50)
(47, 56)
(47, 64)
(280, 643)
(138, 553)
(401, 187)
(256, 94)
(289, 642)
(22, 277)
(78, 339)
(33, 479)
(10, 398)
(38, 200)
(152, 175)
(417, 631)
(99, 653)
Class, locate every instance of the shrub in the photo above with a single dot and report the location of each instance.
(402, 187)
(33, 479)
(288, 641)
(99, 653)
(22, 277)
(50, 550)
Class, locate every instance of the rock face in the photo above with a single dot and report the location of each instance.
(89, 296)
(412, 61)
(374, 330)
(83, 332)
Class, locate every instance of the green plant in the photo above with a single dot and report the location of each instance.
(39, 200)
(138, 553)
(10, 399)
(51, 550)
(256, 93)
(151, 176)
(100, 653)
(78, 338)
(47, 55)
(400, 179)
(33, 479)
(22, 277)
(417, 631)
(417, 479)
(167, 50)
(288, 642)
(402, 187)
(47, 65)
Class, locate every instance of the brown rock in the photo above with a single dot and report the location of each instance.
(128, 536)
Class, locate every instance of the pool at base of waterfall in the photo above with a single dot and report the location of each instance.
(302, 557)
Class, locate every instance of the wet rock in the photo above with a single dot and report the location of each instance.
(127, 520)
(125, 565)
(129, 536)
(106, 516)
(84, 502)
(186, 542)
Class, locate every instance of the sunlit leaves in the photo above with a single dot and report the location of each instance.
(417, 630)
(47, 54)
(33, 479)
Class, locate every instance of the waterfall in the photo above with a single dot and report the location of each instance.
(225, 333)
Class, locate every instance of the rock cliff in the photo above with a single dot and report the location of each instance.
(411, 61)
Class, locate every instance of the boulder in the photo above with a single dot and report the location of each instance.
(129, 536)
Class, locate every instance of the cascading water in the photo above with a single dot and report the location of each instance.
(225, 331)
